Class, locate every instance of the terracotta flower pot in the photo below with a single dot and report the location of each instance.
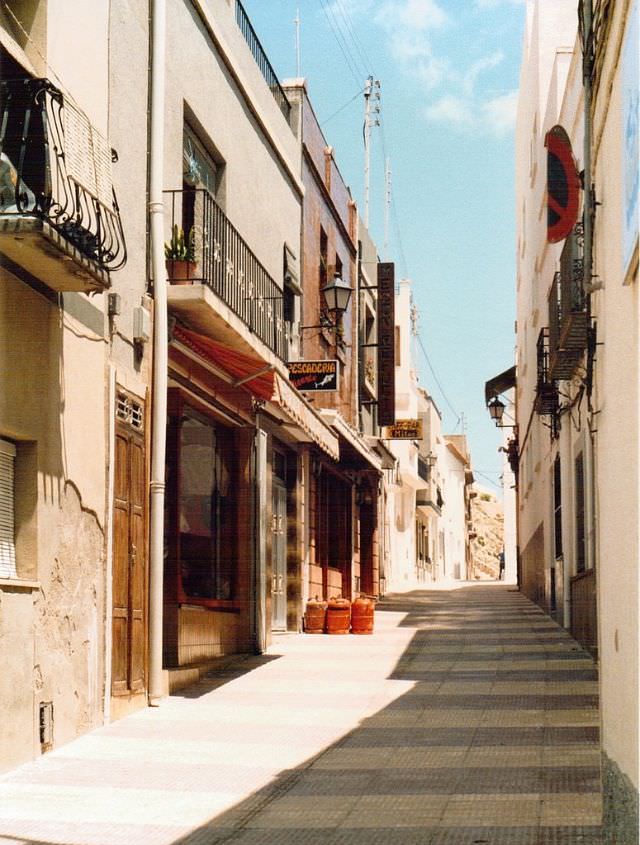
(180, 272)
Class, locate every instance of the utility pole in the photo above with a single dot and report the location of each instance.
(387, 204)
(297, 25)
(371, 112)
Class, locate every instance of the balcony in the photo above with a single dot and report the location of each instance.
(244, 24)
(59, 219)
(568, 317)
(222, 289)
(546, 401)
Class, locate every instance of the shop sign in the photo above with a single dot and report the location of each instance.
(314, 375)
(404, 430)
(386, 344)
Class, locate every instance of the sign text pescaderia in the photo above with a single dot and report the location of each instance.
(314, 375)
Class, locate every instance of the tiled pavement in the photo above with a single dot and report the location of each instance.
(468, 718)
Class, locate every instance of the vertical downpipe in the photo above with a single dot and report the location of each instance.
(587, 72)
(159, 403)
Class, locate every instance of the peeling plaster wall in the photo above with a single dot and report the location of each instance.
(52, 406)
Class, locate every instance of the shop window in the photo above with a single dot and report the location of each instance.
(206, 509)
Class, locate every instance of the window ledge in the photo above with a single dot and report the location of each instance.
(19, 584)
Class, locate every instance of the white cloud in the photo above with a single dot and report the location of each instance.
(500, 113)
(492, 4)
(412, 15)
(485, 63)
(452, 110)
(494, 116)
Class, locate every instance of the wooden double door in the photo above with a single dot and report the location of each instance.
(129, 582)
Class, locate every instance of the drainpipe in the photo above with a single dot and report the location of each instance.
(588, 284)
(160, 338)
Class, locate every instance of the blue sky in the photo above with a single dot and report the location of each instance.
(449, 75)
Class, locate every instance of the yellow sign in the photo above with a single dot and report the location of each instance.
(404, 430)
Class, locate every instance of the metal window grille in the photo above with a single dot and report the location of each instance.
(129, 411)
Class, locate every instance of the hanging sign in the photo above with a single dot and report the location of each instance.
(386, 345)
(563, 185)
(404, 430)
(314, 375)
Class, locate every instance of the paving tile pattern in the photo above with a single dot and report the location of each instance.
(468, 718)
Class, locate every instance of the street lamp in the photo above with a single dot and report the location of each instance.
(337, 294)
(496, 410)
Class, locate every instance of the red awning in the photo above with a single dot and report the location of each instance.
(252, 373)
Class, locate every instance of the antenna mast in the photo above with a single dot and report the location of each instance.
(371, 90)
(387, 203)
(297, 24)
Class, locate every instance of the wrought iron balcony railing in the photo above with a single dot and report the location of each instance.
(546, 389)
(221, 260)
(242, 19)
(56, 167)
(568, 318)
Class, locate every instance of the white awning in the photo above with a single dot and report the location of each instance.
(351, 436)
(305, 417)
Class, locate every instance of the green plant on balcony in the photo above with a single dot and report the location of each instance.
(180, 256)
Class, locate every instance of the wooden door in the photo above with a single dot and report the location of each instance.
(128, 673)
(279, 559)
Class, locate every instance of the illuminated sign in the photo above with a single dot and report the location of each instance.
(314, 375)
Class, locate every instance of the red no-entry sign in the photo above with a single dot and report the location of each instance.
(563, 185)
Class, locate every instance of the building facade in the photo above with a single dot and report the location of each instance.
(577, 366)
(75, 371)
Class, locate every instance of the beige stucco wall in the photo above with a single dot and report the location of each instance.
(616, 310)
(249, 133)
(52, 407)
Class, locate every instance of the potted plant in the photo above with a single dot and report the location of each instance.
(180, 256)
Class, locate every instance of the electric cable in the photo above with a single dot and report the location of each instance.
(342, 108)
(437, 380)
(339, 39)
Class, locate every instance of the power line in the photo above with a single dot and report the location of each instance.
(437, 380)
(366, 61)
(342, 108)
(344, 47)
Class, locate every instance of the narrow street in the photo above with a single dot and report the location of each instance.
(468, 717)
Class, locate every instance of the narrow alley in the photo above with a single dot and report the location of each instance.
(468, 716)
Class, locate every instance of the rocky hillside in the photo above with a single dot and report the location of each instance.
(488, 525)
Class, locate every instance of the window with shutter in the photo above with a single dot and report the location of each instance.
(7, 510)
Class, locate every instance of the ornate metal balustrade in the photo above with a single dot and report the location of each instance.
(546, 402)
(223, 262)
(262, 61)
(55, 166)
(568, 317)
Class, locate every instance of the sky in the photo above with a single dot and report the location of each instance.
(448, 72)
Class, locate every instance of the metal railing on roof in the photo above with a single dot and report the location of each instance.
(267, 71)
